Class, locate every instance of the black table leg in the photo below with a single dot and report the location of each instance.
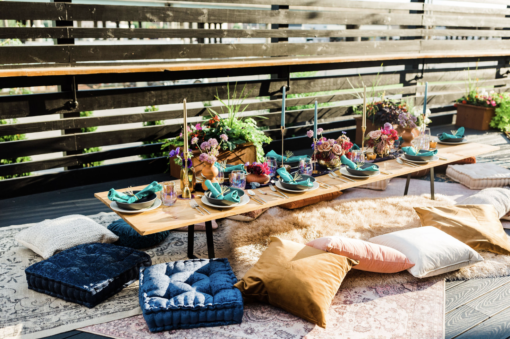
(407, 183)
(191, 239)
(432, 183)
(210, 242)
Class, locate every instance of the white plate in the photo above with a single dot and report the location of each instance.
(345, 172)
(244, 200)
(115, 207)
(452, 143)
(313, 188)
(435, 158)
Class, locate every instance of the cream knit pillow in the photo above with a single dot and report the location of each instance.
(51, 236)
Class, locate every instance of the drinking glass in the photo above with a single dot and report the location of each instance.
(395, 147)
(168, 194)
(358, 157)
(238, 179)
(306, 166)
(426, 139)
(273, 166)
(220, 177)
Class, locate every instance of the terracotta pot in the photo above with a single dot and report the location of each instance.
(210, 172)
(474, 117)
(407, 137)
(192, 180)
(261, 179)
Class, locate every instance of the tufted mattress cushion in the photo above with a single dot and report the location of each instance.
(128, 237)
(190, 293)
(87, 274)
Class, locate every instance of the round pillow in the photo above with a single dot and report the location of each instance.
(128, 237)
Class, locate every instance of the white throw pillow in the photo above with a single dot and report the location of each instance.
(433, 251)
(51, 236)
(497, 197)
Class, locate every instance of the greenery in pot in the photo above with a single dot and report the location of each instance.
(501, 119)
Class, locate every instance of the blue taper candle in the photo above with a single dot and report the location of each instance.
(315, 121)
(425, 99)
(283, 108)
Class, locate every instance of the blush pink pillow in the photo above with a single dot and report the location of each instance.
(371, 257)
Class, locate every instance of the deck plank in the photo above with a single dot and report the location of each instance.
(470, 290)
(452, 284)
(493, 302)
(462, 319)
(497, 327)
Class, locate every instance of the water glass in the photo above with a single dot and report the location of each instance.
(220, 177)
(238, 179)
(306, 166)
(273, 166)
(426, 139)
(358, 157)
(168, 194)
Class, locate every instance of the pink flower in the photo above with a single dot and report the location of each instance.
(490, 98)
(189, 129)
(224, 137)
(332, 141)
(375, 134)
(319, 130)
(337, 149)
(387, 126)
(324, 147)
(180, 135)
(194, 140)
(203, 157)
(310, 134)
(212, 159)
(198, 127)
(493, 103)
(213, 142)
(205, 145)
(488, 102)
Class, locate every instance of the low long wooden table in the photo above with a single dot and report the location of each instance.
(181, 214)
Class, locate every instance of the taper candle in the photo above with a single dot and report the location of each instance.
(425, 99)
(283, 108)
(315, 122)
(364, 122)
(185, 132)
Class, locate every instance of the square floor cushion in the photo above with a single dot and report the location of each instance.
(51, 236)
(87, 274)
(497, 197)
(128, 237)
(300, 279)
(189, 294)
(477, 226)
(479, 176)
(432, 251)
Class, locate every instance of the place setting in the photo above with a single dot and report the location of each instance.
(133, 202)
(455, 137)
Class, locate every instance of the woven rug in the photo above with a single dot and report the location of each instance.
(413, 310)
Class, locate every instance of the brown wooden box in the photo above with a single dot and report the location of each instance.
(474, 117)
(241, 154)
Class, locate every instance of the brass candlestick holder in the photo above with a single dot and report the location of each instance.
(186, 192)
(363, 129)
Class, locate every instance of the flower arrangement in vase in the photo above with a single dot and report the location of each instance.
(382, 139)
(408, 123)
(209, 151)
(327, 152)
(258, 172)
(179, 160)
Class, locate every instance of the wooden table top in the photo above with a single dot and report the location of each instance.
(181, 214)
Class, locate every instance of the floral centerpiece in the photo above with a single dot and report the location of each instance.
(482, 98)
(209, 151)
(408, 122)
(258, 172)
(384, 111)
(327, 152)
(382, 139)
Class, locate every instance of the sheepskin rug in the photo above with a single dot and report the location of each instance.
(357, 218)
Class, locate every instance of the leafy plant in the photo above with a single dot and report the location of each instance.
(15, 137)
(501, 119)
(91, 149)
(153, 123)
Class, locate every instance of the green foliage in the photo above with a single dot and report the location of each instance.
(153, 123)
(16, 137)
(85, 114)
(501, 120)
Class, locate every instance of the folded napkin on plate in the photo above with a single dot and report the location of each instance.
(288, 179)
(353, 166)
(113, 195)
(229, 169)
(286, 160)
(354, 148)
(216, 193)
(412, 151)
(460, 134)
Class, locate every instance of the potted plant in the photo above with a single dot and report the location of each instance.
(258, 172)
(327, 152)
(382, 140)
(502, 118)
(408, 122)
(476, 109)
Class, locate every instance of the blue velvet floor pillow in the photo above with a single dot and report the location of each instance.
(87, 274)
(189, 294)
(128, 237)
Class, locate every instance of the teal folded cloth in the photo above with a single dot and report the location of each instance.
(460, 134)
(229, 169)
(113, 195)
(288, 179)
(412, 151)
(354, 148)
(353, 166)
(286, 160)
(216, 193)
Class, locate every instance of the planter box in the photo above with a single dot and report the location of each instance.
(474, 117)
(372, 127)
(241, 154)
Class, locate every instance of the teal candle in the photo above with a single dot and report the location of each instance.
(315, 122)
(283, 108)
(425, 99)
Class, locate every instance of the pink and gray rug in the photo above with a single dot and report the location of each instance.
(413, 310)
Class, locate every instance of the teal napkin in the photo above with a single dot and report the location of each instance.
(113, 195)
(278, 157)
(229, 169)
(353, 166)
(288, 179)
(411, 151)
(215, 189)
(354, 148)
(460, 134)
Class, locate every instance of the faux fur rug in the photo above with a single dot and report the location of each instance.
(360, 219)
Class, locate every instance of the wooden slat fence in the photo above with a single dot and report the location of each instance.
(316, 46)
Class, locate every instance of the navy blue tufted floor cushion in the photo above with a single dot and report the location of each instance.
(189, 294)
(87, 274)
(128, 237)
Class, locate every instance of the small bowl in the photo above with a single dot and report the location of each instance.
(141, 204)
(362, 173)
(451, 139)
(220, 202)
(298, 187)
(419, 157)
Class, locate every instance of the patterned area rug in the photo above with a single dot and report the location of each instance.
(27, 314)
(413, 310)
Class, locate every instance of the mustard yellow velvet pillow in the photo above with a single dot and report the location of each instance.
(297, 278)
(477, 226)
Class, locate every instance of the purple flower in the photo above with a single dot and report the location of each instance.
(203, 157)
(212, 159)
(309, 134)
(205, 145)
(319, 130)
(344, 132)
(387, 126)
(213, 142)
(224, 137)
(319, 143)
(247, 164)
(172, 153)
(194, 140)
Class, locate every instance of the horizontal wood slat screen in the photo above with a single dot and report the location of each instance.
(123, 58)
